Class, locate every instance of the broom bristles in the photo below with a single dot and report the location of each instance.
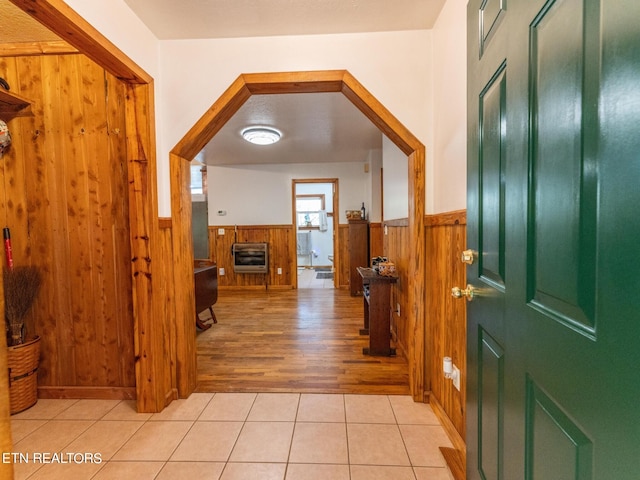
(21, 286)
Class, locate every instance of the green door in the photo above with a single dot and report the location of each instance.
(554, 218)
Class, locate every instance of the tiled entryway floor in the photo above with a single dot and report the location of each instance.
(233, 436)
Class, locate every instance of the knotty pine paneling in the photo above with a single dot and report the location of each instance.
(397, 247)
(65, 199)
(343, 246)
(167, 298)
(376, 240)
(281, 254)
(445, 333)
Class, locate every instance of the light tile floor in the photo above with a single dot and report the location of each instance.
(227, 436)
(307, 278)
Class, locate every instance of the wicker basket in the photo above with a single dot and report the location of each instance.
(23, 375)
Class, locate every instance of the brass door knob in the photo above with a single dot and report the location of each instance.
(468, 293)
(468, 257)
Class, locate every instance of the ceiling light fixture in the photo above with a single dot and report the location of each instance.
(261, 135)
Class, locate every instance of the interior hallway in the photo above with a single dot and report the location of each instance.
(229, 436)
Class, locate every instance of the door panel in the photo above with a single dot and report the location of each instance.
(491, 188)
(490, 406)
(553, 175)
(563, 178)
(556, 447)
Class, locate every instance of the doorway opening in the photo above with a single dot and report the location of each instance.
(300, 82)
(315, 205)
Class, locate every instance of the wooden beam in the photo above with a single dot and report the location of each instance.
(143, 219)
(26, 49)
(417, 319)
(183, 278)
(294, 82)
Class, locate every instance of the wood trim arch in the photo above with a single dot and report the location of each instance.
(213, 120)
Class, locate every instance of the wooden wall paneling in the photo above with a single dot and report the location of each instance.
(222, 254)
(118, 230)
(343, 249)
(143, 219)
(280, 256)
(397, 250)
(71, 219)
(67, 24)
(33, 141)
(80, 148)
(376, 240)
(445, 334)
(168, 299)
(278, 237)
(183, 264)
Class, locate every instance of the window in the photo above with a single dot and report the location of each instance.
(308, 209)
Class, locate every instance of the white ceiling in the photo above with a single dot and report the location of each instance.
(169, 19)
(317, 128)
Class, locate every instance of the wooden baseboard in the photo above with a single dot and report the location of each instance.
(236, 288)
(100, 393)
(279, 287)
(455, 462)
(458, 442)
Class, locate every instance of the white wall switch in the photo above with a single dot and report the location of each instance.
(279, 271)
(221, 271)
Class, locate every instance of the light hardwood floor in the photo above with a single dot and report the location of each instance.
(304, 341)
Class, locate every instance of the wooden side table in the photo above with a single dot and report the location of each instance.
(377, 312)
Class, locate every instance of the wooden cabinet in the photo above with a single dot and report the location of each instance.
(358, 253)
(377, 311)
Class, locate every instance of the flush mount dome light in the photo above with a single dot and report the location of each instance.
(261, 135)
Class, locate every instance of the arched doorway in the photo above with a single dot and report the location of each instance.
(212, 121)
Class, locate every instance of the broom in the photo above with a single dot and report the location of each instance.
(21, 286)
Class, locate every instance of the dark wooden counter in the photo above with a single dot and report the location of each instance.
(377, 311)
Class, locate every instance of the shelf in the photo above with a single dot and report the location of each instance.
(13, 105)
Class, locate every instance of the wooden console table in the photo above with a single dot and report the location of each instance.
(377, 312)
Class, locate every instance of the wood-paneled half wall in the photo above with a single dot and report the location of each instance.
(446, 319)
(65, 199)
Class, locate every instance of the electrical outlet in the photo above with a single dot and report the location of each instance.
(456, 377)
(279, 271)
(398, 309)
(221, 271)
(221, 231)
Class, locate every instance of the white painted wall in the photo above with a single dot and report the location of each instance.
(395, 174)
(450, 107)
(196, 72)
(401, 69)
(116, 21)
(261, 194)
